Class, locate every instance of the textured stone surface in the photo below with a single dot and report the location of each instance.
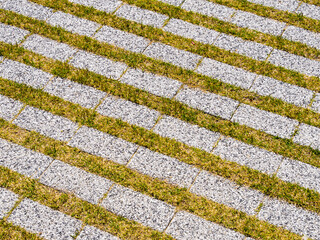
(301, 173)
(49, 48)
(140, 15)
(309, 10)
(103, 5)
(12, 35)
(48, 223)
(83, 95)
(255, 22)
(188, 226)
(254, 50)
(172, 55)
(265, 121)
(316, 103)
(238, 45)
(226, 192)
(228, 42)
(28, 9)
(208, 8)
(142, 160)
(22, 73)
(73, 24)
(302, 35)
(92, 141)
(173, 2)
(226, 73)
(285, 5)
(9, 107)
(208, 102)
(250, 156)
(98, 64)
(291, 217)
(163, 167)
(157, 85)
(46, 123)
(289, 93)
(22, 160)
(104, 145)
(7, 201)
(128, 111)
(187, 133)
(92, 233)
(138, 207)
(192, 31)
(84, 185)
(308, 135)
(295, 62)
(122, 39)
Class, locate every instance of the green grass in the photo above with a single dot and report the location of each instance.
(191, 78)
(69, 204)
(188, 77)
(176, 196)
(315, 2)
(242, 175)
(294, 19)
(9, 231)
(165, 106)
(229, 28)
(161, 190)
(197, 47)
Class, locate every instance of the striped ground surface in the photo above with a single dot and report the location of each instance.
(161, 119)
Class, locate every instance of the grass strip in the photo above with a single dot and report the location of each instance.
(69, 204)
(242, 175)
(291, 18)
(230, 28)
(314, 2)
(166, 106)
(206, 50)
(9, 231)
(161, 190)
(188, 77)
